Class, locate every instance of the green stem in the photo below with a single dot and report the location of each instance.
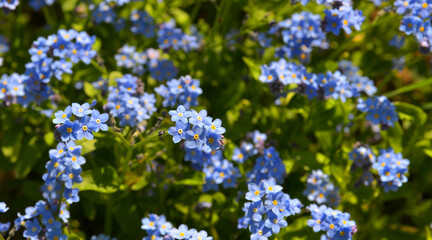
(152, 137)
(98, 67)
(48, 17)
(108, 217)
(195, 11)
(11, 233)
(126, 162)
(122, 138)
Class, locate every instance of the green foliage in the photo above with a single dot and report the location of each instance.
(130, 174)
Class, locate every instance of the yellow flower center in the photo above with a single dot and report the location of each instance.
(69, 130)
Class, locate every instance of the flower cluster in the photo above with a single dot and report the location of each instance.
(69, 46)
(416, 21)
(198, 129)
(379, 110)
(321, 190)
(248, 149)
(8, 5)
(64, 167)
(129, 58)
(217, 170)
(160, 69)
(158, 228)
(87, 121)
(38, 4)
(322, 86)
(392, 169)
(129, 102)
(104, 12)
(269, 165)
(12, 89)
(170, 37)
(243, 153)
(343, 17)
(142, 23)
(360, 83)
(184, 90)
(337, 224)
(363, 157)
(300, 34)
(268, 207)
(40, 220)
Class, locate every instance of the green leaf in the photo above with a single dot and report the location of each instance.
(190, 182)
(28, 156)
(90, 90)
(254, 68)
(103, 180)
(126, 214)
(409, 88)
(113, 76)
(140, 184)
(416, 112)
(395, 137)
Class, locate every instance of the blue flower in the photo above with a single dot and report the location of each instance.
(3, 207)
(256, 192)
(62, 116)
(215, 126)
(32, 229)
(71, 176)
(195, 137)
(275, 222)
(81, 110)
(179, 131)
(180, 114)
(270, 186)
(4, 226)
(201, 235)
(69, 130)
(88, 125)
(100, 120)
(181, 233)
